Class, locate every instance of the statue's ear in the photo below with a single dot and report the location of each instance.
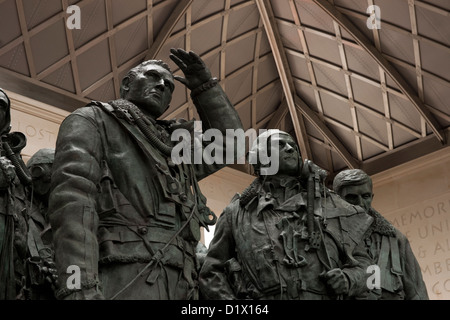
(125, 85)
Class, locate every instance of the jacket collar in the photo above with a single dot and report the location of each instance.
(292, 203)
(381, 225)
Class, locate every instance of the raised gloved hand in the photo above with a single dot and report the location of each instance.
(195, 71)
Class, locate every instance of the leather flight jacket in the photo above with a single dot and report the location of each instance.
(116, 198)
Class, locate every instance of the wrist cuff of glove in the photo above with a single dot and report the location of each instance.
(64, 292)
(204, 87)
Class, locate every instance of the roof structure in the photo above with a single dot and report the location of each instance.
(359, 83)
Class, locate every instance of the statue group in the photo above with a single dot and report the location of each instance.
(26, 255)
(108, 214)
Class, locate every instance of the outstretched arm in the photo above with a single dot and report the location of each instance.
(213, 106)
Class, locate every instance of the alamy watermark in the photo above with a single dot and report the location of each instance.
(374, 280)
(74, 20)
(73, 282)
(374, 20)
(213, 147)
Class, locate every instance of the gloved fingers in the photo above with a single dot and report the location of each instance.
(337, 281)
(176, 57)
(180, 79)
(195, 58)
(187, 58)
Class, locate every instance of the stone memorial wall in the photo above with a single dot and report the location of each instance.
(415, 197)
(39, 122)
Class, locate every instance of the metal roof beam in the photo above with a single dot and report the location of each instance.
(90, 44)
(40, 91)
(311, 70)
(166, 30)
(267, 16)
(396, 28)
(314, 119)
(26, 38)
(383, 86)
(365, 43)
(293, 101)
(403, 154)
(278, 115)
(73, 57)
(368, 109)
(432, 8)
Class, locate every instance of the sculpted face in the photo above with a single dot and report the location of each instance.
(41, 174)
(360, 195)
(289, 158)
(151, 89)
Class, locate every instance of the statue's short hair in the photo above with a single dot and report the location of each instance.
(8, 102)
(5, 123)
(132, 73)
(350, 177)
(42, 156)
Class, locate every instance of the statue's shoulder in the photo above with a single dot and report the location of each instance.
(104, 111)
(99, 108)
(235, 203)
(236, 197)
(233, 207)
(250, 193)
(339, 207)
(85, 113)
(94, 104)
(90, 110)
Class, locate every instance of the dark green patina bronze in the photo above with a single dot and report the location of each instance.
(287, 236)
(120, 209)
(389, 249)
